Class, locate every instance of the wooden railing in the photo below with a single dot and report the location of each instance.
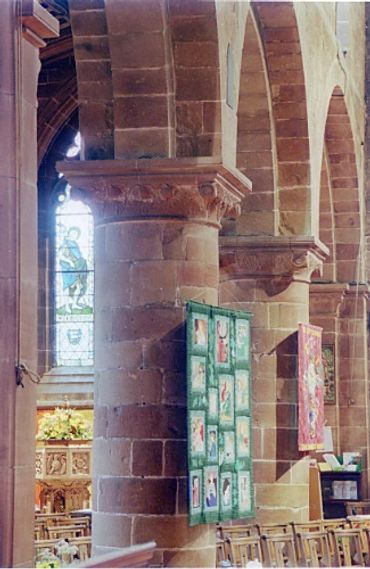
(134, 556)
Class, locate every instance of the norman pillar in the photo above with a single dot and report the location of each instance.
(157, 224)
(270, 277)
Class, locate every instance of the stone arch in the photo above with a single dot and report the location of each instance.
(341, 160)
(53, 116)
(326, 220)
(255, 150)
(142, 78)
(194, 42)
(280, 36)
(148, 78)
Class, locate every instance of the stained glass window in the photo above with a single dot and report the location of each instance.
(74, 282)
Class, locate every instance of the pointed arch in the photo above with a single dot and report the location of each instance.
(341, 158)
(326, 220)
(255, 138)
(280, 36)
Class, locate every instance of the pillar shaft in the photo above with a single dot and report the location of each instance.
(269, 277)
(22, 25)
(352, 374)
(156, 247)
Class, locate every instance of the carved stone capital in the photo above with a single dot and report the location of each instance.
(199, 189)
(292, 258)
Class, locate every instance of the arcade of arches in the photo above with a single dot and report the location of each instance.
(224, 157)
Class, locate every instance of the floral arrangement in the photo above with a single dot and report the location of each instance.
(47, 559)
(65, 554)
(64, 424)
(63, 547)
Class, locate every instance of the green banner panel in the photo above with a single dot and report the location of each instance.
(219, 414)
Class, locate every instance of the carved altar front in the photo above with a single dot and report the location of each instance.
(63, 476)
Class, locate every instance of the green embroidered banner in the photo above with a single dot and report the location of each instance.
(219, 414)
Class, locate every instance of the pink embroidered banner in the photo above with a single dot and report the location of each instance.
(310, 389)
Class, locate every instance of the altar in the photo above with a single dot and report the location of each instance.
(63, 476)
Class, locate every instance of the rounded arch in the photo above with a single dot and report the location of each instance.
(255, 149)
(280, 36)
(339, 160)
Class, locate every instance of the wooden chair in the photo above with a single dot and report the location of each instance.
(83, 545)
(82, 521)
(63, 532)
(279, 550)
(237, 531)
(244, 549)
(313, 549)
(331, 524)
(221, 554)
(356, 522)
(43, 544)
(267, 529)
(304, 527)
(40, 530)
(358, 508)
(347, 547)
(335, 523)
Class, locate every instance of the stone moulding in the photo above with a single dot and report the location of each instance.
(199, 189)
(37, 23)
(295, 258)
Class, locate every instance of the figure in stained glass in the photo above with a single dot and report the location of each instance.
(74, 270)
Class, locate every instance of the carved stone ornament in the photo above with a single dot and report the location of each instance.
(62, 496)
(56, 463)
(198, 189)
(291, 258)
(80, 463)
(39, 463)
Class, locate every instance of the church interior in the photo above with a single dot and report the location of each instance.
(158, 155)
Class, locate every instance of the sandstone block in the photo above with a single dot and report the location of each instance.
(147, 458)
(138, 495)
(170, 532)
(139, 112)
(140, 143)
(175, 458)
(146, 422)
(112, 457)
(89, 23)
(112, 532)
(137, 50)
(139, 81)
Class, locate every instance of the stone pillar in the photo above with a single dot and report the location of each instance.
(325, 300)
(23, 24)
(157, 224)
(270, 278)
(352, 375)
